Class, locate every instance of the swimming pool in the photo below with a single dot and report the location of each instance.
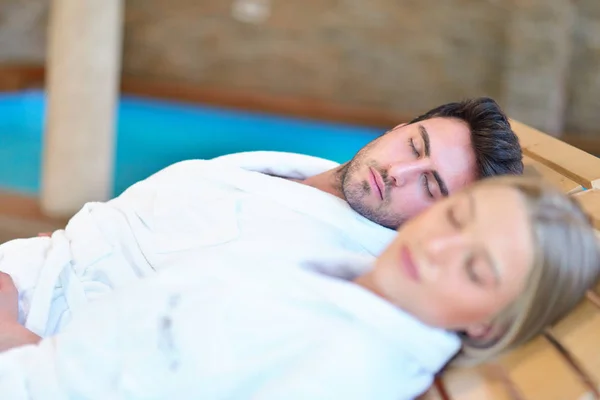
(152, 134)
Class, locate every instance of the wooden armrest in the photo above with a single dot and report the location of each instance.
(570, 161)
(579, 334)
(590, 201)
(536, 168)
(539, 371)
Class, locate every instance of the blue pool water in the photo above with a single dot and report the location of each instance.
(152, 134)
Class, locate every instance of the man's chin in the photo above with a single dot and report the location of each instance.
(368, 212)
(382, 221)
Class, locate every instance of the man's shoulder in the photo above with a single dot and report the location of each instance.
(269, 162)
(268, 155)
(287, 164)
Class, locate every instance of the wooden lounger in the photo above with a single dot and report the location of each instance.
(564, 363)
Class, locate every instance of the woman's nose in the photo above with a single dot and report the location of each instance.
(446, 249)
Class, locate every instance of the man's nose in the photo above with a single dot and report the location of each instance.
(402, 173)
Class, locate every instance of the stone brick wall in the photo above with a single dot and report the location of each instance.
(583, 110)
(379, 53)
(539, 58)
(23, 30)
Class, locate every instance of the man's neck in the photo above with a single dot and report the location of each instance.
(329, 181)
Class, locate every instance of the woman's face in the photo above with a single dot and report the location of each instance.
(459, 263)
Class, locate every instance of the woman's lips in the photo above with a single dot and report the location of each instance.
(409, 266)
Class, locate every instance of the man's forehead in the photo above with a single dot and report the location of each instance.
(451, 151)
(443, 128)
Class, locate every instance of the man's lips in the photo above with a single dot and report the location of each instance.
(377, 182)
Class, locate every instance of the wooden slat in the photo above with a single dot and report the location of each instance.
(590, 201)
(589, 143)
(536, 168)
(594, 296)
(480, 383)
(570, 161)
(540, 372)
(579, 333)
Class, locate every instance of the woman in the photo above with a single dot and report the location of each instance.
(506, 258)
(477, 274)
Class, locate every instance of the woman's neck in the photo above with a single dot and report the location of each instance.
(366, 281)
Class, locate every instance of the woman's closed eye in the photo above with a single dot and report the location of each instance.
(460, 212)
(472, 272)
(452, 218)
(480, 272)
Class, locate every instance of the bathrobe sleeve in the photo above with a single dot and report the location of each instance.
(119, 363)
(345, 366)
(160, 340)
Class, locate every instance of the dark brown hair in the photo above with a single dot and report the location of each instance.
(496, 146)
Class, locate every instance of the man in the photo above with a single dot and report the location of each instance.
(402, 172)
(405, 170)
(336, 217)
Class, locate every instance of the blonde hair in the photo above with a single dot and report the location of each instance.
(566, 265)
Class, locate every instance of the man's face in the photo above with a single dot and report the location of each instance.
(401, 173)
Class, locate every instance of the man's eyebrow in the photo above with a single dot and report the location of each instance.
(436, 175)
(425, 136)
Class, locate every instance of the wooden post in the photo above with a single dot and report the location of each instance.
(82, 83)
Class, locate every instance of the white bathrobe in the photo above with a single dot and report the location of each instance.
(217, 328)
(188, 210)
